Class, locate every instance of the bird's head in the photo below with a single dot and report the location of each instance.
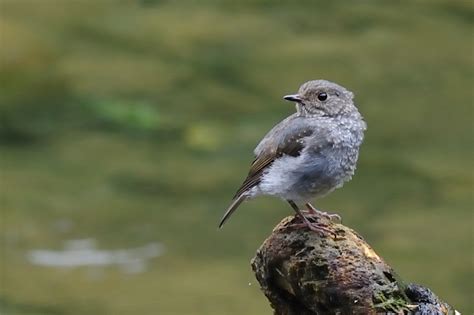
(322, 98)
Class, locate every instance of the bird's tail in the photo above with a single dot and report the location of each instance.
(233, 206)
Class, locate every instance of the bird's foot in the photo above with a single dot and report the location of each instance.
(320, 228)
(312, 211)
(331, 216)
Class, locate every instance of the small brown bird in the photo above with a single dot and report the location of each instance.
(308, 154)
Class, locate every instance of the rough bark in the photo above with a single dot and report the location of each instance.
(304, 273)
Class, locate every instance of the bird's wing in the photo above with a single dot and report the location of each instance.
(289, 137)
(290, 142)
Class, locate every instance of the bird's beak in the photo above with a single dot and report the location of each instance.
(293, 98)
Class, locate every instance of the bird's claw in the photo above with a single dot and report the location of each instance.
(334, 217)
(320, 228)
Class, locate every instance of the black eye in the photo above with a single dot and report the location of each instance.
(322, 96)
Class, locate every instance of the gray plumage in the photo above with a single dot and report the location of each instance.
(310, 153)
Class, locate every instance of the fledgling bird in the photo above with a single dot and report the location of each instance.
(308, 154)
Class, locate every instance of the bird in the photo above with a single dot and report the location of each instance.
(308, 154)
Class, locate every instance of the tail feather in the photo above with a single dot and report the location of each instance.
(233, 206)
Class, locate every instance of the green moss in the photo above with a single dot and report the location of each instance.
(384, 301)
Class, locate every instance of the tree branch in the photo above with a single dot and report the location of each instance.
(304, 273)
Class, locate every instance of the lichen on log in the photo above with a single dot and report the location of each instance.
(305, 273)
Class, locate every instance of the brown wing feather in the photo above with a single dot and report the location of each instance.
(256, 170)
(291, 145)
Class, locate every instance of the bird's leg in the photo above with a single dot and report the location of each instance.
(313, 226)
(330, 216)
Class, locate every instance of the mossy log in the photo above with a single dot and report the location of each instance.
(304, 273)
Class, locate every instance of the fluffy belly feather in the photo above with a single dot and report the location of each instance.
(302, 179)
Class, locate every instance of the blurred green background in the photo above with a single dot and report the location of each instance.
(129, 122)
